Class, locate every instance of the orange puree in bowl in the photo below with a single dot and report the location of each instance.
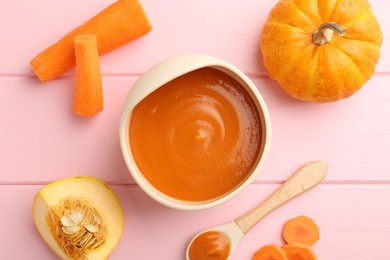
(197, 137)
(211, 245)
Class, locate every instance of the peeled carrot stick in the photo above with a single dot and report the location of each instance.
(270, 252)
(118, 24)
(88, 96)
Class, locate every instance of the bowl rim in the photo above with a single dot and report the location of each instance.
(164, 72)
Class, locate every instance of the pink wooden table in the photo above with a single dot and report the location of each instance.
(42, 141)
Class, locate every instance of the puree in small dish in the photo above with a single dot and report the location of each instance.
(197, 137)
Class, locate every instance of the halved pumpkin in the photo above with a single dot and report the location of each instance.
(79, 217)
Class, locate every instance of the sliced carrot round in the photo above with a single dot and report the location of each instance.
(299, 251)
(302, 230)
(270, 252)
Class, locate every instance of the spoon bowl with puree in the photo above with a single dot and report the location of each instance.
(219, 242)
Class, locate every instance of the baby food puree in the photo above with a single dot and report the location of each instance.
(197, 137)
(211, 245)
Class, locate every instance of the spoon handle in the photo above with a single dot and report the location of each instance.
(302, 180)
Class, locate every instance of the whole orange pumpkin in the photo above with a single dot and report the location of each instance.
(321, 51)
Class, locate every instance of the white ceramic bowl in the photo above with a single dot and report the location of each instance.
(156, 77)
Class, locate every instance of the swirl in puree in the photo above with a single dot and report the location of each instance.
(197, 137)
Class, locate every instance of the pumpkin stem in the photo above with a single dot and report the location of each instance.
(325, 32)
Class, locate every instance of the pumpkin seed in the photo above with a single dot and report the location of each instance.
(71, 230)
(67, 221)
(77, 227)
(91, 228)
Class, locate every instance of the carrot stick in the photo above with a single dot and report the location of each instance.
(298, 251)
(270, 252)
(118, 24)
(301, 229)
(88, 96)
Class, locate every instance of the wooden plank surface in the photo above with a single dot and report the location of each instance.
(42, 141)
(230, 31)
(346, 231)
(39, 120)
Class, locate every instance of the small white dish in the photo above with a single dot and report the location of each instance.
(159, 75)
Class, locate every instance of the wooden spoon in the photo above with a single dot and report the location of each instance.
(305, 178)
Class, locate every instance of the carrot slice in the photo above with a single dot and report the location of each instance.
(299, 251)
(88, 96)
(270, 252)
(302, 230)
(118, 24)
